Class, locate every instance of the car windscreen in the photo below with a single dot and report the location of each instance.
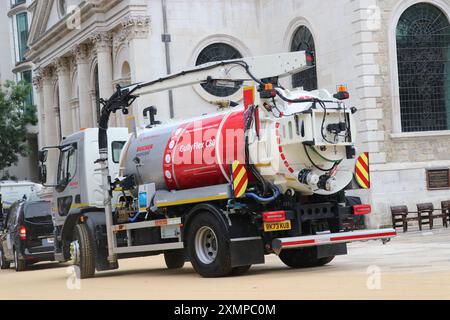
(38, 210)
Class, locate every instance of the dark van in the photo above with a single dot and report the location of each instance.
(26, 235)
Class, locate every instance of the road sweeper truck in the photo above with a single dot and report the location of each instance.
(223, 190)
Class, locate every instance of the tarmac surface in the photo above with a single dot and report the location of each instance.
(415, 265)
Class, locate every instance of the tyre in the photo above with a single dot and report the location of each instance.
(3, 263)
(239, 271)
(82, 252)
(174, 259)
(303, 258)
(209, 247)
(20, 264)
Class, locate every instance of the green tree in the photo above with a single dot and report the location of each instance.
(16, 113)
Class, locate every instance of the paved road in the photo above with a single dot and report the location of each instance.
(413, 266)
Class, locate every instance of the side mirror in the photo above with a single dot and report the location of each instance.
(43, 174)
(43, 155)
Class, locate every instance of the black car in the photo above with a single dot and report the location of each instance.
(26, 235)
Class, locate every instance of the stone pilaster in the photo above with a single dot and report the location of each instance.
(51, 125)
(81, 57)
(103, 47)
(38, 85)
(63, 73)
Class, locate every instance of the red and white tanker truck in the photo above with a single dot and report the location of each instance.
(221, 191)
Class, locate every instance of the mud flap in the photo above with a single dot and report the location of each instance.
(332, 250)
(247, 251)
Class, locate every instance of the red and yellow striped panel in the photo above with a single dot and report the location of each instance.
(362, 173)
(240, 179)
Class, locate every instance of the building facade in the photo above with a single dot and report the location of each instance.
(14, 29)
(394, 55)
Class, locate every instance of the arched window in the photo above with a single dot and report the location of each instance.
(218, 52)
(303, 40)
(423, 53)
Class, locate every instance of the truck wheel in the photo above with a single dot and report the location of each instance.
(20, 264)
(82, 252)
(174, 259)
(303, 258)
(209, 247)
(239, 271)
(3, 263)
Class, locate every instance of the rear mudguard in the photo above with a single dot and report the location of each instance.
(246, 246)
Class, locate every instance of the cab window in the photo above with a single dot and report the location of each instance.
(117, 147)
(13, 216)
(67, 165)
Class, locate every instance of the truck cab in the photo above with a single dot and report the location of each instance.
(77, 190)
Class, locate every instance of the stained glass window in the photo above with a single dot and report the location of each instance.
(218, 52)
(303, 40)
(423, 46)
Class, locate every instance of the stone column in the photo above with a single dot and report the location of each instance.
(86, 116)
(62, 69)
(51, 130)
(103, 46)
(135, 31)
(38, 85)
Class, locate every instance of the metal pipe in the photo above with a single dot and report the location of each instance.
(166, 39)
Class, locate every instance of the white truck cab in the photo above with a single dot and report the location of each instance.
(78, 180)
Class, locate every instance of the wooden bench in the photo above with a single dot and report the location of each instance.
(400, 217)
(427, 214)
(445, 205)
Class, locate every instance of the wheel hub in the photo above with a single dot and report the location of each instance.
(75, 252)
(206, 246)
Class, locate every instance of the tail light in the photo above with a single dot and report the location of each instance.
(23, 233)
(275, 216)
(362, 209)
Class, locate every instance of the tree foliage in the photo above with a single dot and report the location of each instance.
(16, 113)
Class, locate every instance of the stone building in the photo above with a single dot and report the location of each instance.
(14, 27)
(394, 55)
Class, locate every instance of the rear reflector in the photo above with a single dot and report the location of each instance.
(23, 233)
(275, 216)
(362, 209)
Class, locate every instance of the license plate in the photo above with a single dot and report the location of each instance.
(50, 241)
(277, 226)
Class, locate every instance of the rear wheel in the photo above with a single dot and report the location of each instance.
(174, 259)
(20, 264)
(3, 263)
(209, 247)
(82, 252)
(303, 258)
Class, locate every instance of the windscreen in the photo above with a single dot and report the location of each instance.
(38, 210)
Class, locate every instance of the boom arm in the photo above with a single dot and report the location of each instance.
(247, 69)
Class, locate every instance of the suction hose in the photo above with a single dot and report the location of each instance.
(254, 196)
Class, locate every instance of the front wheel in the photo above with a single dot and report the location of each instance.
(4, 264)
(209, 247)
(20, 264)
(303, 258)
(82, 252)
